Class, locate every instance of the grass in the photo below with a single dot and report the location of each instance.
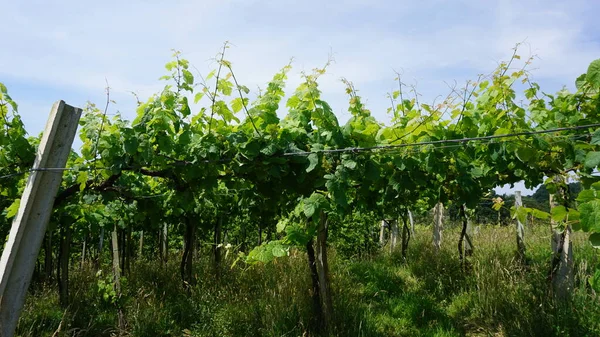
(428, 295)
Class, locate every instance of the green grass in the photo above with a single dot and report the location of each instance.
(429, 295)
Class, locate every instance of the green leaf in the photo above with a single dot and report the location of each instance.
(372, 171)
(592, 159)
(82, 179)
(282, 224)
(225, 87)
(590, 216)
(521, 215)
(279, 251)
(351, 164)
(596, 138)
(586, 195)
(558, 213)
(477, 172)
(595, 240)
(267, 252)
(269, 150)
(297, 236)
(237, 104)
(244, 88)
(130, 145)
(313, 160)
(169, 66)
(198, 97)
(13, 209)
(594, 281)
(550, 186)
(573, 215)
(525, 153)
(502, 131)
(580, 81)
(540, 214)
(211, 75)
(188, 77)
(313, 204)
(338, 191)
(260, 254)
(309, 209)
(593, 73)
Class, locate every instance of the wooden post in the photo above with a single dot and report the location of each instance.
(217, 241)
(141, 247)
(83, 254)
(412, 223)
(394, 233)
(117, 275)
(165, 243)
(382, 234)
(561, 272)
(520, 227)
(29, 225)
(438, 215)
(405, 236)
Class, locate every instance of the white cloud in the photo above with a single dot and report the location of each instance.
(72, 46)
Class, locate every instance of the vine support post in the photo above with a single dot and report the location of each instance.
(141, 247)
(217, 241)
(394, 233)
(520, 228)
(412, 223)
(438, 226)
(561, 273)
(83, 253)
(405, 236)
(164, 244)
(382, 234)
(100, 248)
(30, 223)
(116, 269)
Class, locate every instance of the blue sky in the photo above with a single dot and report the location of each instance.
(67, 49)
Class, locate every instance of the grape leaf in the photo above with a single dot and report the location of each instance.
(313, 160)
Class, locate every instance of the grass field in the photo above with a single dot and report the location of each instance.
(428, 295)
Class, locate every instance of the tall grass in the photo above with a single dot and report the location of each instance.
(428, 295)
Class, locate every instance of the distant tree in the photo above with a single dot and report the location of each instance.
(540, 197)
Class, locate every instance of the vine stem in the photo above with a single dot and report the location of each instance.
(214, 98)
(242, 98)
(101, 125)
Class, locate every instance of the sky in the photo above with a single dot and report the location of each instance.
(69, 50)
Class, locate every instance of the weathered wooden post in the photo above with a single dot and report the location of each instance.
(438, 216)
(382, 234)
(562, 274)
(29, 225)
(394, 233)
(520, 227)
(412, 222)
